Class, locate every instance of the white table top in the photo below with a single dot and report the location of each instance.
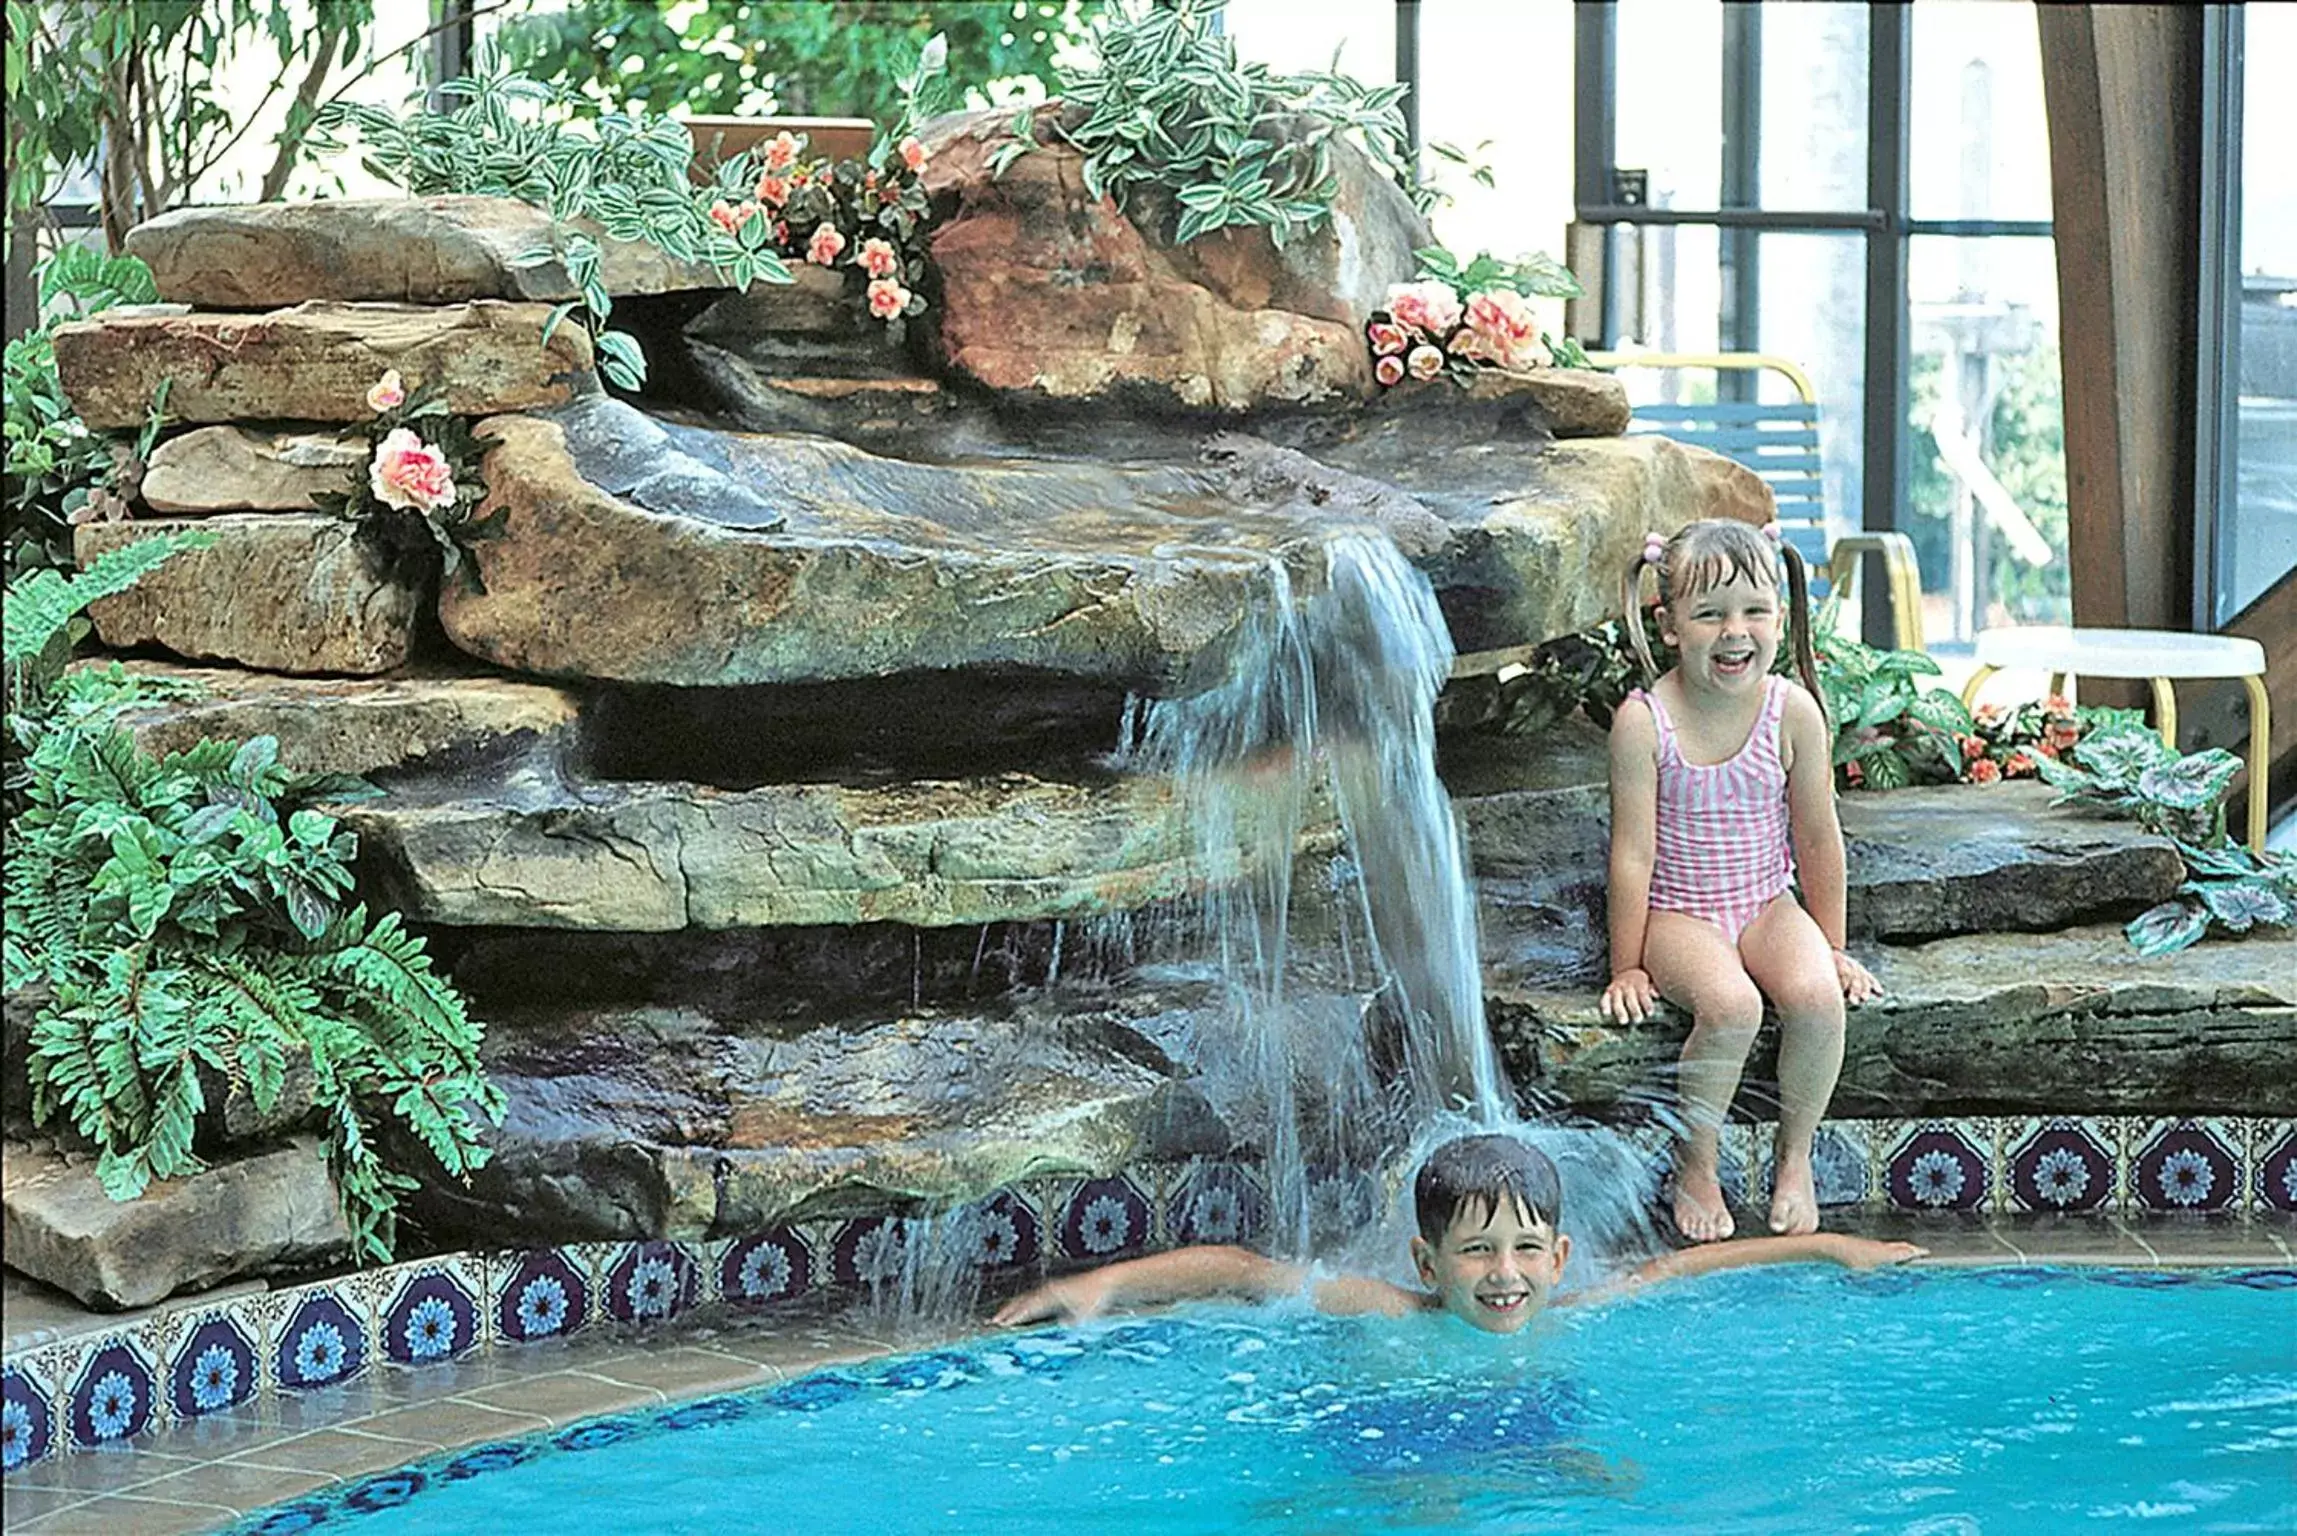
(2121, 652)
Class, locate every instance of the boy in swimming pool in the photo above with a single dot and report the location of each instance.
(1489, 1252)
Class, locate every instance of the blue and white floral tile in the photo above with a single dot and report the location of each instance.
(778, 1264)
(1216, 1202)
(27, 1418)
(214, 1362)
(1842, 1163)
(1342, 1202)
(2061, 1166)
(434, 1312)
(2274, 1185)
(114, 1394)
(1941, 1165)
(1108, 1218)
(1007, 1232)
(2189, 1166)
(651, 1282)
(323, 1337)
(539, 1293)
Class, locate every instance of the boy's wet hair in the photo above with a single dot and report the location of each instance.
(1487, 1170)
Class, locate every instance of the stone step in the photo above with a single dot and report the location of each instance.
(316, 361)
(232, 469)
(2075, 1022)
(637, 1122)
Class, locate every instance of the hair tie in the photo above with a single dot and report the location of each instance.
(1772, 532)
(1654, 548)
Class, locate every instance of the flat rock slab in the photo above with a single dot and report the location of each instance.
(420, 716)
(264, 1211)
(2061, 1023)
(1570, 402)
(640, 550)
(639, 1122)
(649, 858)
(316, 361)
(281, 592)
(233, 469)
(392, 250)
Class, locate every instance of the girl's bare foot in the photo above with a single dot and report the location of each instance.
(1700, 1213)
(1794, 1197)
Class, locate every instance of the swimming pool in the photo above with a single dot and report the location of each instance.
(1803, 1399)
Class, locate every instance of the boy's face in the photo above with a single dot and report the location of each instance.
(1492, 1268)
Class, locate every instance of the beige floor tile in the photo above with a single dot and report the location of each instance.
(339, 1453)
(2076, 1240)
(18, 1505)
(236, 1484)
(126, 1515)
(2186, 1243)
(86, 1473)
(561, 1397)
(451, 1423)
(688, 1372)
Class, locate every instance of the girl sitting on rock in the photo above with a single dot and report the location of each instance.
(1722, 786)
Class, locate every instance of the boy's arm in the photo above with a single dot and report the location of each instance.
(1747, 1252)
(1634, 835)
(1189, 1274)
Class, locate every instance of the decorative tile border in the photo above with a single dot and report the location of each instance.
(173, 1368)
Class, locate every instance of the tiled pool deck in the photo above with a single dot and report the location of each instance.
(211, 1472)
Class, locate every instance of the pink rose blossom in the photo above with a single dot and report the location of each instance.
(1387, 340)
(730, 218)
(388, 392)
(410, 474)
(1503, 330)
(1389, 371)
(822, 249)
(913, 154)
(1425, 361)
(879, 259)
(1430, 307)
(887, 298)
(781, 152)
(773, 191)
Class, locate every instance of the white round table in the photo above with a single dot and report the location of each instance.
(2160, 656)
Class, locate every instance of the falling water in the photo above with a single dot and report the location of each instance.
(1332, 694)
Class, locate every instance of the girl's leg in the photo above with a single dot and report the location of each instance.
(1695, 967)
(1789, 959)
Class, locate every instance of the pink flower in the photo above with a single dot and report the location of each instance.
(730, 218)
(1503, 330)
(410, 474)
(1854, 774)
(913, 154)
(879, 259)
(1389, 371)
(822, 249)
(1984, 771)
(387, 392)
(1431, 307)
(1387, 340)
(773, 191)
(782, 151)
(1425, 362)
(887, 298)
(2021, 766)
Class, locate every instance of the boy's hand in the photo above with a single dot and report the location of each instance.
(1073, 1299)
(1858, 983)
(1630, 997)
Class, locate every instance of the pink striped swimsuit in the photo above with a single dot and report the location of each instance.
(1722, 852)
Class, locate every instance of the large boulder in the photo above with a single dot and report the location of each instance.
(282, 592)
(316, 361)
(1047, 294)
(2075, 1022)
(419, 716)
(391, 250)
(654, 1121)
(233, 469)
(263, 1211)
(643, 858)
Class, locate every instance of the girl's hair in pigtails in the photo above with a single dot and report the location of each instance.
(1654, 554)
(1798, 617)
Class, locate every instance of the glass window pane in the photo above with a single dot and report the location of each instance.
(2257, 536)
(1986, 458)
(1979, 141)
(1671, 98)
(1814, 107)
(1295, 35)
(1523, 135)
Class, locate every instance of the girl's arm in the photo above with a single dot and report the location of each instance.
(1634, 835)
(1817, 834)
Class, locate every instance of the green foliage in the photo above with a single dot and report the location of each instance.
(1167, 110)
(832, 58)
(40, 621)
(627, 171)
(1538, 275)
(2025, 447)
(179, 923)
(1891, 730)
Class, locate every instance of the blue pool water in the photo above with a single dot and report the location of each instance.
(2012, 1400)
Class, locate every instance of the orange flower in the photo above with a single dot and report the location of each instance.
(2021, 766)
(823, 248)
(782, 152)
(773, 191)
(887, 298)
(1984, 771)
(1854, 774)
(913, 154)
